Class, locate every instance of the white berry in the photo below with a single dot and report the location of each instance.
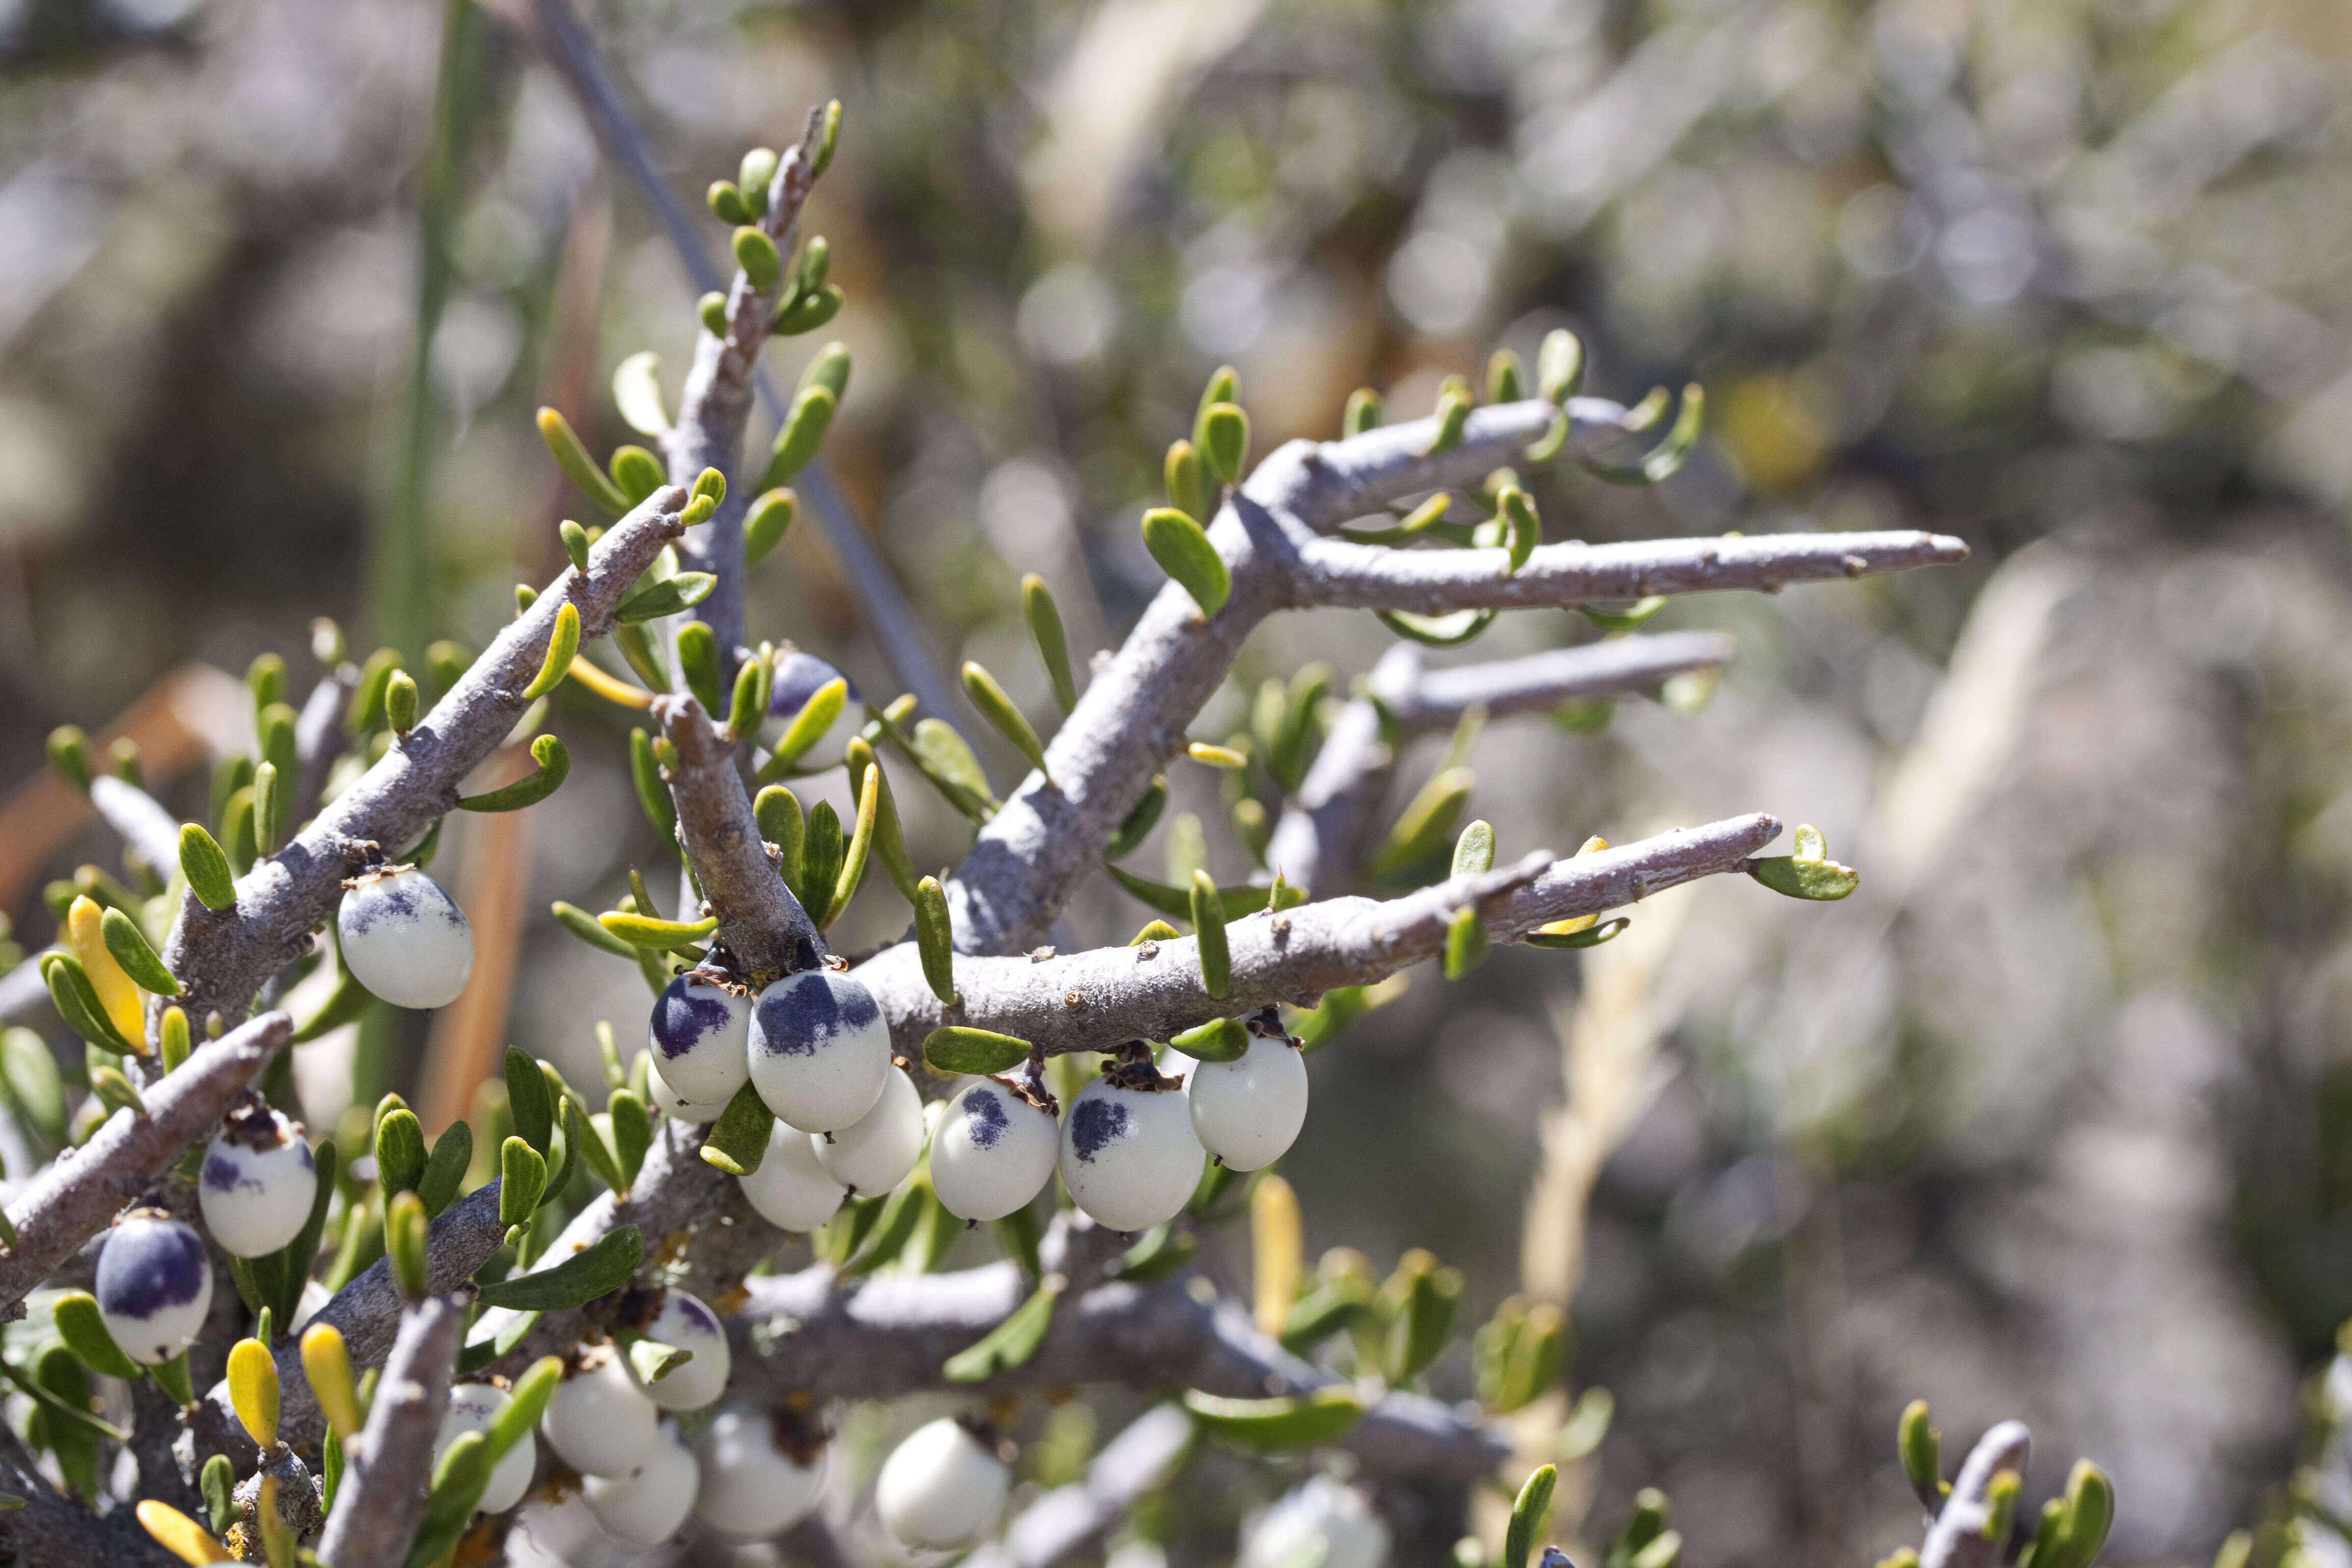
(820, 1050)
(698, 1033)
(684, 1321)
(646, 1506)
(1321, 1520)
(599, 1421)
(792, 1190)
(1128, 1155)
(873, 1153)
(154, 1287)
(671, 1103)
(941, 1487)
(751, 1486)
(405, 939)
(993, 1151)
(472, 1407)
(257, 1182)
(1247, 1112)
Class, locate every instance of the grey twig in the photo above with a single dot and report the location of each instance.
(760, 922)
(1073, 1519)
(81, 1190)
(368, 1311)
(886, 1336)
(150, 831)
(383, 1493)
(1958, 1539)
(1132, 718)
(716, 402)
(1093, 1000)
(568, 45)
(1325, 826)
(222, 957)
(318, 735)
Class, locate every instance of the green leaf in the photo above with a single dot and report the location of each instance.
(1522, 525)
(1363, 412)
(1591, 936)
(1809, 873)
(808, 726)
(1163, 1251)
(947, 759)
(1184, 552)
(1220, 1040)
(821, 859)
(935, 940)
(1209, 925)
(803, 433)
(854, 857)
(563, 644)
(1141, 821)
(444, 1175)
(1465, 943)
(530, 1104)
(582, 924)
(1330, 1307)
(765, 525)
(77, 1003)
(755, 253)
(1188, 486)
(655, 1360)
(990, 699)
(1664, 460)
(207, 868)
(1629, 619)
(399, 1150)
(633, 1133)
(636, 388)
(1453, 405)
(69, 754)
(959, 1049)
(1278, 1426)
(778, 812)
(522, 1182)
(1560, 366)
(1474, 851)
(525, 1403)
(1177, 902)
(1437, 631)
(129, 945)
(1918, 1443)
(458, 1479)
(554, 765)
(1223, 436)
(643, 930)
(1527, 1516)
(1503, 377)
(577, 465)
(84, 1332)
(1011, 1343)
(1426, 823)
(405, 1235)
(666, 597)
(738, 1141)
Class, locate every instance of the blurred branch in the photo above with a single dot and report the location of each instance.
(566, 44)
(1325, 826)
(886, 1336)
(1094, 1000)
(53, 1529)
(319, 736)
(1958, 1539)
(224, 956)
(151, 831)
(77, 1194)
(378, 1506)
(1073, 1519)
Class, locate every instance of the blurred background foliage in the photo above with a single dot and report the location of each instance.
(2054, 1118)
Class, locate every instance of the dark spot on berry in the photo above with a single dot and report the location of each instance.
(223, 1175)
(683, 1020)
(148, 1265)
(1094, 1125)
(696, 1313)
(984, 1119)
(797, 1018)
